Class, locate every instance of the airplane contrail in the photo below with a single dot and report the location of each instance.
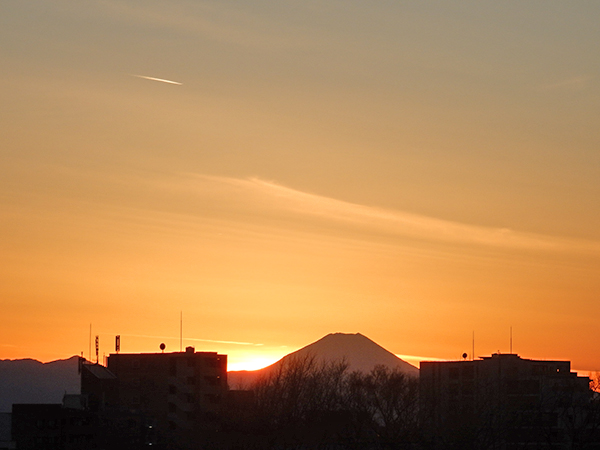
(193, 339)
(158, 79)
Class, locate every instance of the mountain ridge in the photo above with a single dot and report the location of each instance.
(27, 380)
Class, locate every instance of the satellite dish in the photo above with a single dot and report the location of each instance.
(163, 346)
(464, 355)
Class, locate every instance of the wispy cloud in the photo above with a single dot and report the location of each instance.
(570, 83)
(275, 197)
(229, 23)
(183, 201)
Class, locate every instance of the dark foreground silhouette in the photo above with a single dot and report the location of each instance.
(182, 401)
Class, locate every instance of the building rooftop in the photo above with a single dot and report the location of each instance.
(100, 372)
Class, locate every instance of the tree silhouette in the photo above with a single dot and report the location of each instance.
(321, 404)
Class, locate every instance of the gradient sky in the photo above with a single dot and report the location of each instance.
(415, 171)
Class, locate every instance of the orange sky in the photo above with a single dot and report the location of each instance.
(415, 172)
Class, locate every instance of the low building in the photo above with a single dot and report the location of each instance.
(49, 426)
(6, 441)
(504, 401)
(99, 388)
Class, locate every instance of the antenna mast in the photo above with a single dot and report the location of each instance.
(97, 347)
(180, 331)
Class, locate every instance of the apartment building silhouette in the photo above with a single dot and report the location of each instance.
(179, 394)
(504, 401)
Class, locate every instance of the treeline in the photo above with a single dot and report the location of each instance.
(309, 404)
(306, 403)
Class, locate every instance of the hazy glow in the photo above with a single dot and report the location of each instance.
(252, 363)
(412, 171)
(416, 360)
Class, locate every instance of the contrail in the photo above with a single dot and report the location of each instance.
(158, 79)
(193, 339)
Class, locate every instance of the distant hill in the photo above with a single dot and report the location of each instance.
(30, 381)
(360, 352)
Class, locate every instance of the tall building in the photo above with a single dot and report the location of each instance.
(180, 389)
(504, 401)
(179, 394)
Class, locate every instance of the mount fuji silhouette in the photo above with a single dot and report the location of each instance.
(358, 351)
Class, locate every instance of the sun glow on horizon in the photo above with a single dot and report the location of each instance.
(250, 363)
(416, 360)
(228, 176)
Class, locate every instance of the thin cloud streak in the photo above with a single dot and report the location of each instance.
(218, 22)
(403, 224)
(193, 339)
(575, 82)
(162, 80)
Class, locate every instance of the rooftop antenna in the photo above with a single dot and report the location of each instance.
(90, 349)
(180, 331)
(118, 343)
(97, 347)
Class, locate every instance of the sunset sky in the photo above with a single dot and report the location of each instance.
(415, 171)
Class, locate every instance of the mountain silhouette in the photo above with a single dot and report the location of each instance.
(358, 351)
(30, 381)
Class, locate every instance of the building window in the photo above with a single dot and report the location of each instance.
(453, 390)
(211, 380)
(468, 372)
(212, 398)
(212, 362)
